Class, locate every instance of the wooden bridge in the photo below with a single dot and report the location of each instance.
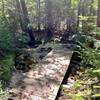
(43, 81)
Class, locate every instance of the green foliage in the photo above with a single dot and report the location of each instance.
(97, 31)
(89, 54)
(95, 73)
(3, 94)
(88, 24)
(21, 39)
(90, 74)
(78, 96)
(96, 95)
(77, 85)
(7, 66)
(90, 59)
(6, 35)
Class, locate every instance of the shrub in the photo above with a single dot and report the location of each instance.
(6, 35)
(7, 66)
(3, 94)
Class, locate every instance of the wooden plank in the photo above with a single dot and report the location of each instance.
(44, 80)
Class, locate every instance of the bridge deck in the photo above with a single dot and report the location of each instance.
(44, 80)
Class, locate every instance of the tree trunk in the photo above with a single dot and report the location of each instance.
(98, 14)
(49, 21)
(38, 14)
(92, 11)
(3, 8)
(78, 14)
(84, 14)
(22, 13)
(19, 13)
(68, 12)
(24, 9)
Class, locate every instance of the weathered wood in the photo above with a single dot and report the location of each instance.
(44, 80)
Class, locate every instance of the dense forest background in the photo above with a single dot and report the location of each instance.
(57, 15)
